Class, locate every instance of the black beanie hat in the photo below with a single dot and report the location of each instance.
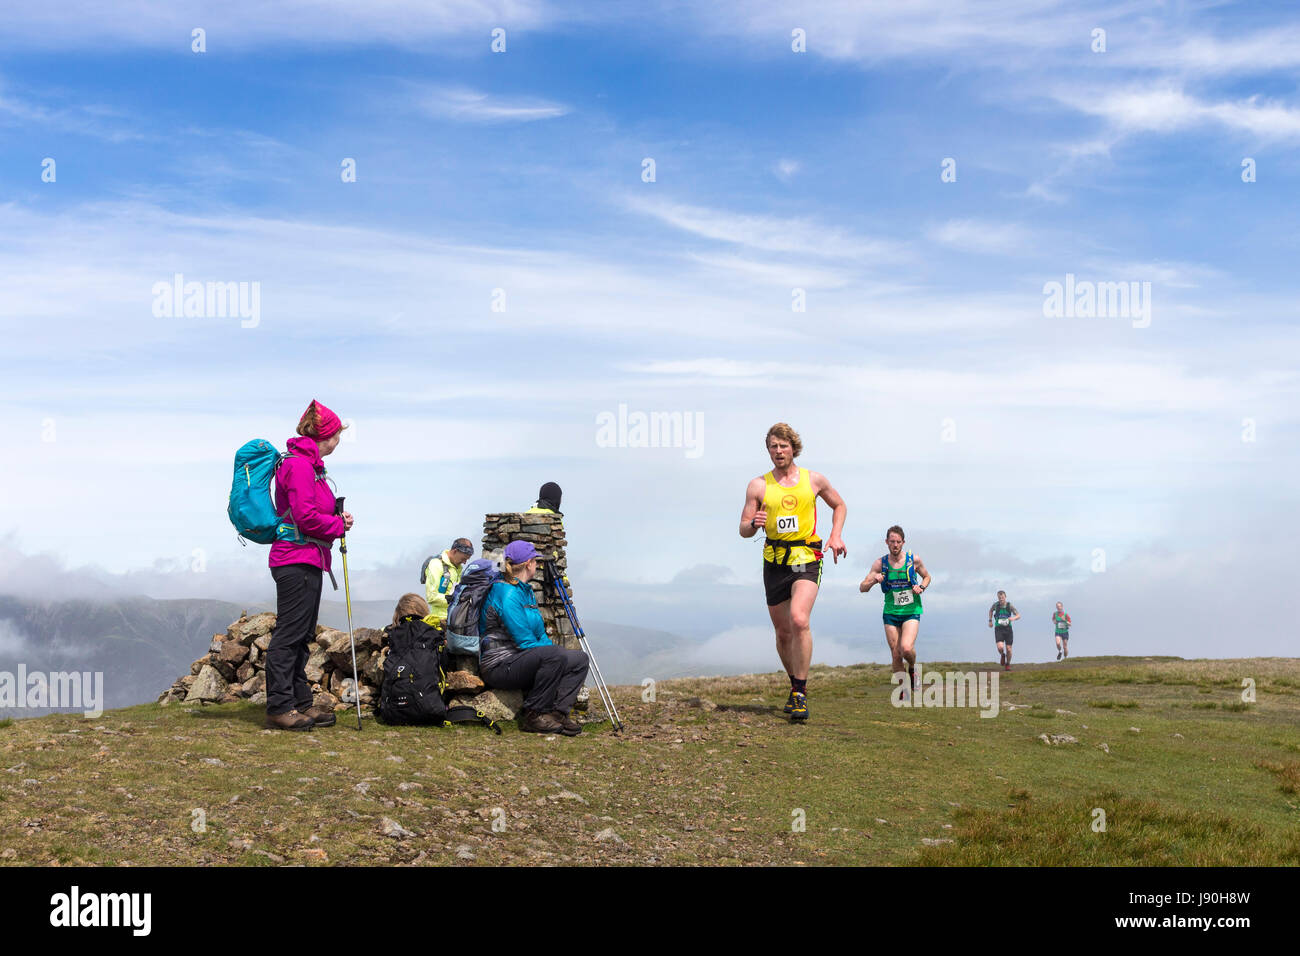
(548, 496)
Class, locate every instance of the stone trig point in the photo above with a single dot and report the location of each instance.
(546, 533)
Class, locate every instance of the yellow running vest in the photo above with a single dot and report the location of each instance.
(791, 516)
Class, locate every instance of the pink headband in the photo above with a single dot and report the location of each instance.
(329, 422)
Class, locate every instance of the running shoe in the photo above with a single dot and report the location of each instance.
(916, 684)
(799, 710)
(789, 703)
(1058, 655)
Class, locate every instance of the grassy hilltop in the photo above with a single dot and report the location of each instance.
(1188, 775)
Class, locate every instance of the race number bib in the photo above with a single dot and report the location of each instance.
(787, 524)
(1004, 622)
(903, 598)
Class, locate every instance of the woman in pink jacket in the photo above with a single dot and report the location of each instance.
(305, 499)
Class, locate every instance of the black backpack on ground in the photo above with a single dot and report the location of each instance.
(414, 686)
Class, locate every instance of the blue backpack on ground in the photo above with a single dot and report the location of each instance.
(467, 603)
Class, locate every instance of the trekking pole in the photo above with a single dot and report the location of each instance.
(347, 598)
(606, 696)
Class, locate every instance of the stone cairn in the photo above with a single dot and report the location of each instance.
(546, 533)
(233, 668)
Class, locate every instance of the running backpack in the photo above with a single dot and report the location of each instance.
(414, 685)
(466, 604)
(885, 568)
(250, 507)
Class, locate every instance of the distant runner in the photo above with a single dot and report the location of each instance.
(784, 503)
(902, 578)
(1061, 621)
(1003, 612)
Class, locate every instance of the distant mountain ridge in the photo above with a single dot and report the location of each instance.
(142, 644)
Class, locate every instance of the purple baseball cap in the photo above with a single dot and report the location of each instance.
(517, 552)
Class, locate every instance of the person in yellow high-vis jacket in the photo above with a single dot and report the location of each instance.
(783, 503)
(440, 577)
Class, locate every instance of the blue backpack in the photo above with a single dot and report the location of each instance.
(251, 507)
(911, 573)
(467, 603)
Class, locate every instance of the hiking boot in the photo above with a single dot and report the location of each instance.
(800, 709)
(289, 720)
(321, 716)
(539, 723)
(568, 726)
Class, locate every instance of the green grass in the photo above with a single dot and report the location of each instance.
(1180, 784)
(1114, 704)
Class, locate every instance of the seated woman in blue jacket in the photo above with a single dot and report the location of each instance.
(516, 654)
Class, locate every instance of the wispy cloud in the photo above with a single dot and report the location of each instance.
(241, 24)
(1204, 54)
(1170, 109)
(474, 106)
(800, 236)
(972, 235)
(83, 119)
(785, 169)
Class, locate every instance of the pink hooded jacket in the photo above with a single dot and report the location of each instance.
(301, 489)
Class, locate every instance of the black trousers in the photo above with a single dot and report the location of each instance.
(551, 676)
(297, 605)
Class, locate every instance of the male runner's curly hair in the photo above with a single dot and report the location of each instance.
(895, 528)
(784, 432)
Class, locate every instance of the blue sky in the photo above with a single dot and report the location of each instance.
(522, 171)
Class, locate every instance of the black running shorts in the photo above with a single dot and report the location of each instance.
(1003, 634)
(778, 579)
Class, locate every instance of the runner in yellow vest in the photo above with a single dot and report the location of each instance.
(783, 503)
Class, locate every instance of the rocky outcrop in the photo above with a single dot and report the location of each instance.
(234, 666)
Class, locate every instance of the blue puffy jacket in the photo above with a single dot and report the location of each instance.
(510, 617)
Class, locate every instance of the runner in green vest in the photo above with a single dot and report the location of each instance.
(1003, 612)
(1061, 622)
(903, 579)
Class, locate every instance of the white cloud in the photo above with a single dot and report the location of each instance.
(786, 168)
(753, 650)
(800, 236)
(474, 106)
(241, 24)
(1169, 109)
(971, 235)
(1201, 54)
